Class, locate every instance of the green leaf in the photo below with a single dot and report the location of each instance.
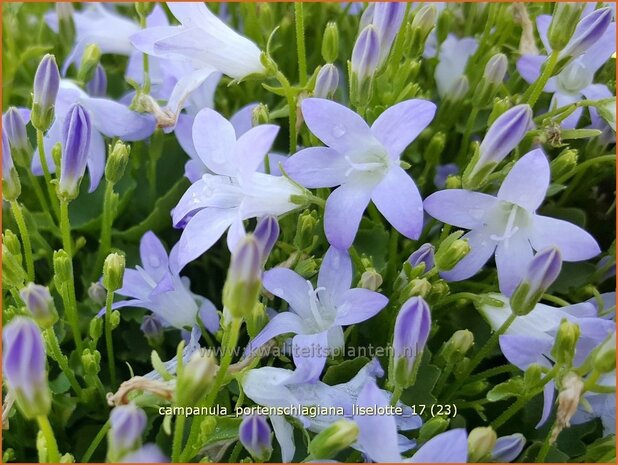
(60, 385)
(226, 429)
(344, 371)
(514, 387)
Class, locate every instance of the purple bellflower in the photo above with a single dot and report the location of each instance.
(148, 453)
(410, 336)
(530, 337)
(576, 81)
(108, 118)
(365, 162)
(14, 122)
(235, 192)
(424, 254)
(255, 435)
(45, 91)
(154, 286)
(508, 224)
(508, 448)
(127, 425)
(317, 315)
(365, 55)
(326, 82)
(540, 273)
(276, 387)
(76, 133)
(387, 19)
(454, 55)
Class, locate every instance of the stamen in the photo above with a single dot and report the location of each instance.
(510, 229)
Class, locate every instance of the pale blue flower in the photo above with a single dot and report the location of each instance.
(454, 55)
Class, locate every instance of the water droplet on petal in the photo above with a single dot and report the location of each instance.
(338, 130)
(154, 261)
(476, 213)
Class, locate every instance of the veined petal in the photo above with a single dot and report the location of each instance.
(523, 350)
(214, 138)
(191, 13)
(529, 67)
(282, 323)
(317, 167)
(289, 286)
(96, 159)
(459, 207)
(527, 182)
(242, 120)
(601, 51)
(400, 124)
(185, 87)
(209, 191)
(542, 25)
(548, 402)
(309, 352)
(285, 437)
(134, 285)
(146, 39)
(508, 448)
(357, 305)
(513, 256)
(252, 147)
(399, 200)
(335, 273)
(116, 120)
(336, 125)
(343, 213)
(481, 249)
(574, 243)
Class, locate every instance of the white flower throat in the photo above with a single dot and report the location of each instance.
(322, 311)
(373, 162)
(506, 221)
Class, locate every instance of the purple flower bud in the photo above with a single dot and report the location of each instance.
(459, 89)
(266, 233)
(424, 254)
(97, 86)
(387, 19)
(152, 328)
(588, 31)
(75, 147)
(148, 453)
(366, 53)
(40, 303)
(127, 425)
(46, 85)
(542, 271)
(504, 135)
(23, 361)
(11, 187)
(327, 81)
(243, 283)
(15, 126)
(496, 68)
(255, 435)
(367, 16)
(410, 336)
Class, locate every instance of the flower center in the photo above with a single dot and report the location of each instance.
(512, 220)
(574, 78)
(322, 314)
(373, 162)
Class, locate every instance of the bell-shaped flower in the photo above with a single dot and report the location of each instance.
(317, 315)
(76, 135)
(530, 337)
(154, 286)
(454, 55)
(276, 387)
(365, 162)
(508, 224)
(203, 40)
(108, 118)
(576, 81)
(235, 192)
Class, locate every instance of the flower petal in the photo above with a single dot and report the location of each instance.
(242, 120)
(459, 207)
(214, 139)
(601, 51)
(343, 213)
(282, 323)
(542, 25)
(335, 273)
(548, 402)
(115, 120)
(448, 447)
(523, 350)
(512, 259)
(527, 182)
(336, 125)
(399, 200)
(289, 286)
(574, 243)
(317, 167)
(562, 100)
(508, 448)
(481, 249)
(96, 159)
(185, 87)
(357, 305)
(285, 437)
(252, 147)
(153, 255)
(309, 352)
(529, 67)
(400, 124)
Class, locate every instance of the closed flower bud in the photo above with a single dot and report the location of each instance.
(500, 106)
(152, 329)
(91, 361)
(243, 283)
(255, 435)
(260, 115)
(433, 427)
(330, 42)
(365, 55)
(64, 11)
(481, 442)
(451, 251)
(563, 24)
(88, 65)
(434, 149)
(424, 255)
(502, 137)
(46, 85)
(97, 85)
(326, 82)
(95, 329)
(143, 9)
(566, 340)
(370, 279)
(15, 126)
(542, 271)
(40, 303)
(23, 364)
(63, 268)
(387, 19)
(532, 375)
(337, 437)
(195, 379)
(605, 358)
(410, 336)
(117, 162)
(113, 271)
(588, 31)
(563, 163)
(496, 68)
(461, 341)
(97, 293)
(266, 234)
(75, 147)
(305, 229)
(127, 424)
(11, 187)
(423, 23)
(13, 273)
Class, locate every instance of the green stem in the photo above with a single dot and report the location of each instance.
(25, 237)
(555, 300)
(545, 447)
(61, 360)
(108, 337)
(179, 430)
(585, 165)
(48, 179)
(34, 181)
(393, 256)
(53, 455)
(466, 135)
(95, 442)
(235, 453)
(105, 242)
(493, 372)
(396, 395)
(291, 100)
(508, 413)
(443, 377)
(65, 228)
(539, 84)
(300, 43)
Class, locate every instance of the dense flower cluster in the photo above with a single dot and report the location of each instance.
(378, 232)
